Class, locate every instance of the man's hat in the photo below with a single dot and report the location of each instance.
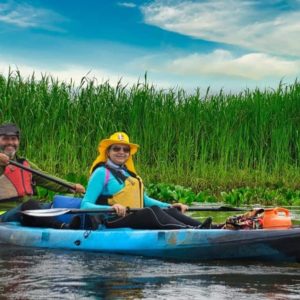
(9, 129)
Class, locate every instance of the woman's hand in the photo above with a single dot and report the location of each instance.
(120, 210)
(79, 189)
(182, 207)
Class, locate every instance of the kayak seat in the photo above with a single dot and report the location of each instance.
(63, 201)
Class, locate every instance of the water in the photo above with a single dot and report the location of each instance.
(57, 274)
(51, 274)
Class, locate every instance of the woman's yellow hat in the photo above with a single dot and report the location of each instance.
(116, 138)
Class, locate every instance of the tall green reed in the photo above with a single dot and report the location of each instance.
(201, 140)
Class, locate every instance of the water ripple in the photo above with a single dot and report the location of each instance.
(39, 274)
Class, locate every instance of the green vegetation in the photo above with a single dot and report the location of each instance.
(206, 142)
(245, 196)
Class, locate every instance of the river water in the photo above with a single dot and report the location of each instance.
(51, 274)
(58, 274)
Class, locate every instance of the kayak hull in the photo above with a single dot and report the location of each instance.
(183, 245)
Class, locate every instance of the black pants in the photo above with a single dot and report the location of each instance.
(154, 218)
(37, 221)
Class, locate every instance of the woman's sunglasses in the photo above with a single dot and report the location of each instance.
(119, 148)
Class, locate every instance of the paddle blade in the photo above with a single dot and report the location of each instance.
(46, 212)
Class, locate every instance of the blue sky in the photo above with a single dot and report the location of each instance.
(228, 44)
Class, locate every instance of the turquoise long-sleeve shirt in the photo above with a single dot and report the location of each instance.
(97, 186)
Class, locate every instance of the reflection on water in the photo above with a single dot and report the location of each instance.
(39, 273)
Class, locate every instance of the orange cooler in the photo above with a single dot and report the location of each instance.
(277, 218)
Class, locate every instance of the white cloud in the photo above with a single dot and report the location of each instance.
(27, 16)
(127, 4)
(68, 72)
(252, 66)
(255, 25)
(187, 72)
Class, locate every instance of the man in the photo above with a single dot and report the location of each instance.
(16, 185)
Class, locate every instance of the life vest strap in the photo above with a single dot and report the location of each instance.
(119, 176)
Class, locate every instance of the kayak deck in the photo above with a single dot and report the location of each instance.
(184, 244)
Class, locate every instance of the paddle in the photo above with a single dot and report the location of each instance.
(54, 212)
(36, 172)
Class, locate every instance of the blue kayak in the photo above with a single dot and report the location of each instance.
(183, 245)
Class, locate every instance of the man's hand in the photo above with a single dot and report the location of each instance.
(79, 189)
(182, 207)
(120, 210)
(4, 159)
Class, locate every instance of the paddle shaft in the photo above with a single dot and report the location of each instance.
(112, 211)
(191, 209)
(38, 173)
(62, 211)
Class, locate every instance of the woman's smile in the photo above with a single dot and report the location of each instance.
(119, 153)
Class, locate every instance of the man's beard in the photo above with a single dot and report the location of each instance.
(10, 154)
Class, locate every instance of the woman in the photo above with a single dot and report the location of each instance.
(115, 184)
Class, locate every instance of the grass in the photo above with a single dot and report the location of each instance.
(202, 141)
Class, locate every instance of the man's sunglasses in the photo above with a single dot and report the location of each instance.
(119, 148)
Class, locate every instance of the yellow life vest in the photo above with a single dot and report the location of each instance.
(132, 195)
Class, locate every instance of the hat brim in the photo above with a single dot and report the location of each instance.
(9, 134)
(104, 144)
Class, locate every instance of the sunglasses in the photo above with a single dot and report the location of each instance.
(119, 148)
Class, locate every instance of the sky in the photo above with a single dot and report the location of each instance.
(224, 44)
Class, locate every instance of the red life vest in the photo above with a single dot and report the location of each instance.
(21, 179)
